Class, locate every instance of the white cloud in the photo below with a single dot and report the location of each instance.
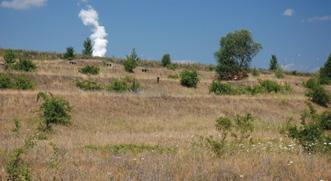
(22, 4)
(319, 18)
(289, 12)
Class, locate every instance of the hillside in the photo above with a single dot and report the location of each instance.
(154, 134)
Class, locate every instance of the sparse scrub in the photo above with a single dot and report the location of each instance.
(54, 110)
(9, 57)
(220, 88)
(24, 83)
(19, 82)
(189, 78)
(24, 65)
(88, 85)
(118, 86)
(5, 81)
(279, 73)
(16, 168)
(90, 70)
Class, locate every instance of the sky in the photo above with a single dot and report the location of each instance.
(298, 32)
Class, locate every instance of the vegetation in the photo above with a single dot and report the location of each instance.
(24, 65)
(16, 168)
(88, 50)
(189, 78)
(69, 54)
(236, 53)
(131, 61)
(325, 72)
(88, 85)
(255, 72)
(122, 85)
(311, 134)
(166, 60)
(220, 88)
(279, 73)
(18, 82)
(273, 63)
(172, 66)
(9, 57)
(90, 70)
(317, 93)
(54, 110)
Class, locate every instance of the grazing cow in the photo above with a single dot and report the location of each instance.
(108, 64)
(144, 70)
(72, 62)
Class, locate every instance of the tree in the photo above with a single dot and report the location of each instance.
(325, 72)
(9, 57)
(131, 61)
(70, 53)
(237, 51)
(87, 51)
(166, 60)
(273, 63)
(189, 78)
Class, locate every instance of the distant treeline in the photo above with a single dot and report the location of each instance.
(39, 55)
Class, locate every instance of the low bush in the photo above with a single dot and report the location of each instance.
(5, 81)
(189, 78)
(131, 61)
(90, 69)
(16, 168)
(88, 85)
(312, 83)
(118, 86)
(54, 110)
(24, 65)
(319, 96)
(9, 57)
(325, 120)
(270, 86)
(220, 88)
(24, 83)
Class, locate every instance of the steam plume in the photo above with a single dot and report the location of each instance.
(90, 17)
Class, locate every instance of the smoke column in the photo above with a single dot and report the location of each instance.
(90, 17)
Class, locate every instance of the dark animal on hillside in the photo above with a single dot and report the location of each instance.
(72, 62)
(158, 79)
(108, 64)
(144, 70)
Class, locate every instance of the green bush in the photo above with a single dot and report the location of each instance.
(5, 81)
(270, 86)
(166, 60)
(134, 85)
(312, 83)
(325, 120)
(220, 88)
(25, 65)
(90, 69)
(54, 110)
(319, 96)
(9, 57)
(16, 168)
(88, 85)
(189, 78)
(69, 54)
(24, 83)
(118, 86)
(131, 61)
(325, 72)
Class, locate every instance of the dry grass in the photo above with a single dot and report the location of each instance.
(164, 114)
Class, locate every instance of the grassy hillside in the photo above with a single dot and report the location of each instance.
(154, 134)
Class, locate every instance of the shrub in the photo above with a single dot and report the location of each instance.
(118, 86)
(9, 57)
(325, 72)
(16, 168)
(90, 69)
(325, 120)
(23, 83)
(312, 83)
(255, 72)
(189, 78)
(134, 85)
(172, 66)
(25, 65)
(279, 73)
(273, 63)
(224, 126)
(87, 51)
(131, 61)
(319, 96)
(5, 81)
(270, 86)
(220, 88)
(88, 85)
(54, 110)
(166, 60)
(244, 126)
(69, 54)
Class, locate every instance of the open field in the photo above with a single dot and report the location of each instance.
(162, 123)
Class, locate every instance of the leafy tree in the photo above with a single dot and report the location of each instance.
(166, 60)
(236, 52)
(9, 57)
(325, 72)
(131, 61)
(70, 53)
(273, 63)
(87, 51)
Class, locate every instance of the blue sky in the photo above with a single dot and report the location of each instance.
(297, 31)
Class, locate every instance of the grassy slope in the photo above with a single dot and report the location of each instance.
(165, 114)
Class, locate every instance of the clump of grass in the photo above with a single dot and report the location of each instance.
(132, 148)
(90, 70)
(16, 168)
(88, 85)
